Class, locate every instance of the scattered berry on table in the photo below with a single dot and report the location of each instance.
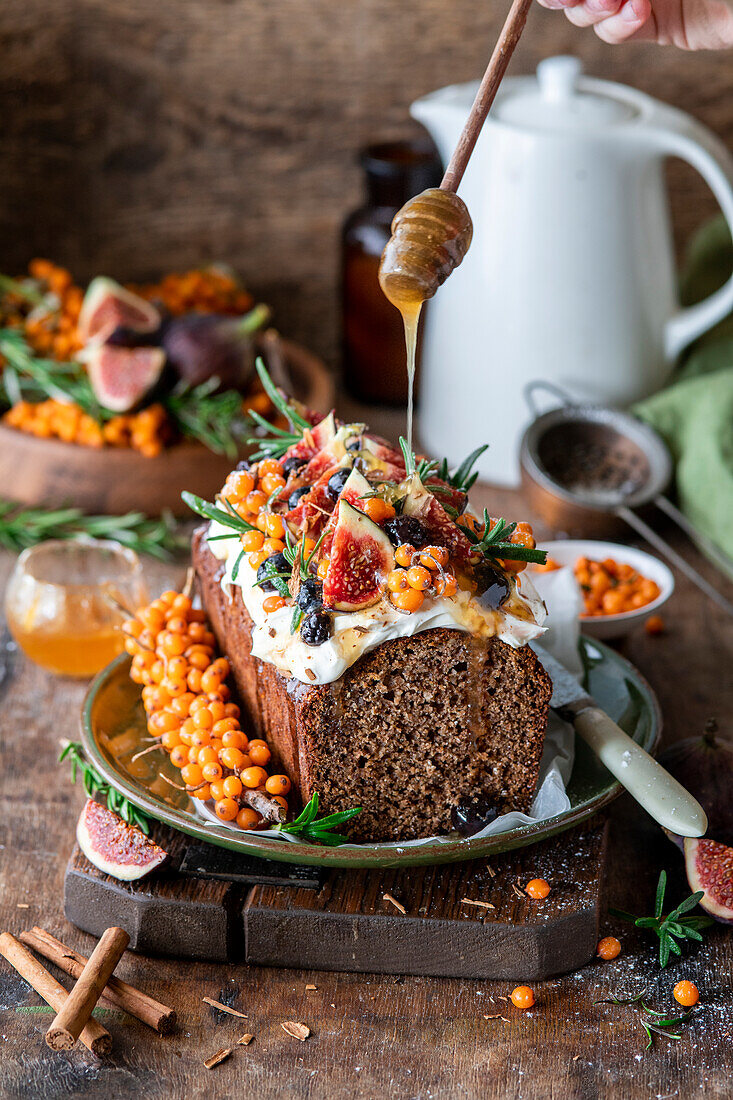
(537, 888)
(522, 997)
(686, 993)
(655, 625)
(608, 948)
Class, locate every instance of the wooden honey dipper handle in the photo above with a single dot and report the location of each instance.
(489, 86)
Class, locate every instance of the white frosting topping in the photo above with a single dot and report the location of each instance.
(356, 633)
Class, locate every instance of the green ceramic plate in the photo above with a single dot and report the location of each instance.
(114, 730)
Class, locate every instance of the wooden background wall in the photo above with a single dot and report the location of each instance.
(154, 134)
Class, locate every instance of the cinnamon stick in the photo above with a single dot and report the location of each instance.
(94, 1037)
(76, 1011)
(116, 994)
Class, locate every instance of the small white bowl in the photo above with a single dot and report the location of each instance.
(567, 552)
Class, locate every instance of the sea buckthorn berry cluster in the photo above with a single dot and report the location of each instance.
(377, 509)
(251, 492)
(610, 587)
(210, 290)
(420, 573)
(189, 709)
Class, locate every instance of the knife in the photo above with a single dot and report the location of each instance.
(654, 789)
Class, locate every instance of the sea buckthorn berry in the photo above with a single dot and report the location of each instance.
(281, 801)
(217, 789)
(277, 784)
(537, 888)
(322, 569)
(182, 704)
(397, 580)
(210, 681)
(271, 484)
(232, 786)
(225, 725)
(239, 484)
(194, 680)
(192, 775)
(170, 739)
(179, 756)
(193, 753)
(247, 818)
(202, 719)
(261, 523)
(207, 755)
(275, 526)
(608, 948)
(269, 466)
(377, 509)
(418, 577)
(177, 667)
(226, 809)
(686, 993)
(273, 546)
(203, 794)
(172, 645)
(175, 687)
(411, 600)
(232, 758)
(196, 631)
(446, 585)
(654, 625)
(256, 560)
(255, 501)
(273, 603)
(259, 753)
(522, 997)
(234, 739)
(212, 771)
(253, 777)
(252, 541)
(432, 554)
(231, 710)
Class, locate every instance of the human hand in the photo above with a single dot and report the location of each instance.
(688, 24)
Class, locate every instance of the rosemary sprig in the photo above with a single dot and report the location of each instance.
(652, 1020)
(22, 527)
(275, 442)
(215, 419)
(494, 543)
(293, 551)
(94, 784)
(227, 516)
(675, 926)
(310, 827)
(464, 476)
(26, 375)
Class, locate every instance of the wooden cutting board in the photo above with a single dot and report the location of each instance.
(218, 905)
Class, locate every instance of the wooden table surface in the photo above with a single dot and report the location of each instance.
(370, 1036)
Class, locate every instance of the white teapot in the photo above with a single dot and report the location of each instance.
(571, 275)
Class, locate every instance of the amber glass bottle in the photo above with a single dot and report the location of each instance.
(374, 367)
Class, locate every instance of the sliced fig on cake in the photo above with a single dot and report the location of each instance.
(108, 306)
(422, 505)
(354, 489)
(114, 847)
(121, 377)
(314, 507)
(709, 867)
(361, 558)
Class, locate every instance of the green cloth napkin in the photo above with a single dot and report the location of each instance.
(694, 414)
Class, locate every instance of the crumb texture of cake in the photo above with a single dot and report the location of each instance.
(414, 728)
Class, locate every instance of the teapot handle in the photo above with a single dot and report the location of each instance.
(679, 135)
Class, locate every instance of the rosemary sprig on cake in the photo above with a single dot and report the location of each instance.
(95, 784)
(318, 829)
(672, 928)
(22, 527)
(275, 441)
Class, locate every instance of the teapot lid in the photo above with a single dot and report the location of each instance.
(559, 99)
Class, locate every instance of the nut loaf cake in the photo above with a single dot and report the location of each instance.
(377, 628)
(410, 731)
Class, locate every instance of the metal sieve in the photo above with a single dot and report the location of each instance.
(587, 469)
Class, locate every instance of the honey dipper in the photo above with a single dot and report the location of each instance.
(432, 232)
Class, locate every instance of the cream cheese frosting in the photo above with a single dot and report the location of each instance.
(355, 633)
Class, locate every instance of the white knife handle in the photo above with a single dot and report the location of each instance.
(647, 781)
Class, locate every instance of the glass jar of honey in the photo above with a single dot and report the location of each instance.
(374, 365)
(66, 601)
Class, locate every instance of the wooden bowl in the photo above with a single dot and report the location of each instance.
(112, 480)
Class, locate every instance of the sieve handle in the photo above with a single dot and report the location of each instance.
(672, 556)
(566, 401)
